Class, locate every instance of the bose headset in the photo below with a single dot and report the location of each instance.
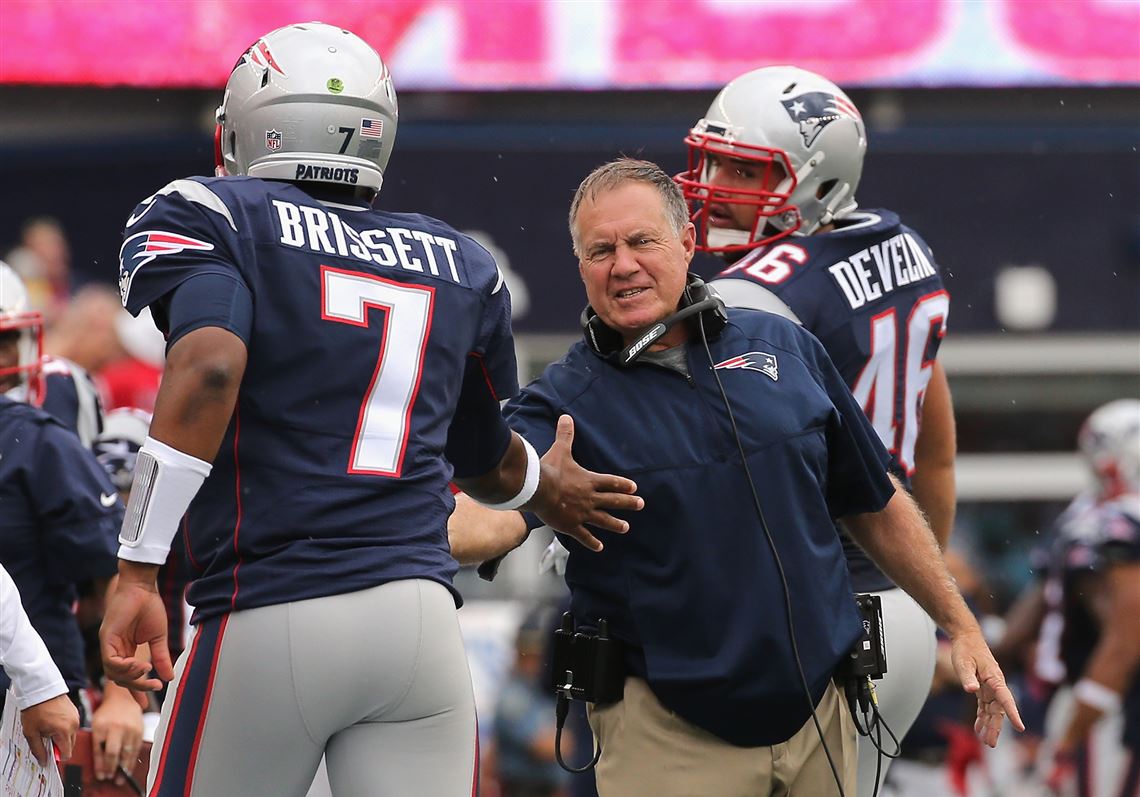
(700, 306)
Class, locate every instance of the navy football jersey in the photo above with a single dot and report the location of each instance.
(871, 292)
(69, 396)
(1091, 538)
(59, 524)
(367, 333)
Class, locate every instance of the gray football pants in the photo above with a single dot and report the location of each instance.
(376, 681)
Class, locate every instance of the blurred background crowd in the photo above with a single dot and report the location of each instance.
(1006, 131)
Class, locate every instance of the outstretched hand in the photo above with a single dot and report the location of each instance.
(570, 497)
(980, 675)
(135, 616)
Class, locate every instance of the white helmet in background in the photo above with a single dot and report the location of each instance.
(117, 447)
(777, 115)
(308, 102)
(18, 318)
(1110, 441)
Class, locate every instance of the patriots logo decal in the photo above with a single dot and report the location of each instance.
(815, 110)
(143, 247)
(753, 361)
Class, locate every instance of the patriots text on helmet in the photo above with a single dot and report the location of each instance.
(319, 230)
(897, 261)
(335, 174)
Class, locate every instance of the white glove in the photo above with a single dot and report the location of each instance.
(554, 557)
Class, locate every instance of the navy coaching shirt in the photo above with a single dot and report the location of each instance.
(59, 524)
(694, 582)
(871, 291)
(368, 333)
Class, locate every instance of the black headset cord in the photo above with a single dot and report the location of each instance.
(775, 555)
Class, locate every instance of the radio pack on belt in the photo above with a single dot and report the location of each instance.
(587, 664)
(869, 656)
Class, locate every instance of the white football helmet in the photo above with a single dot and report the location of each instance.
(785, 116)
(1110, 441)
(117, 446)
(308, 102)
(19, 320)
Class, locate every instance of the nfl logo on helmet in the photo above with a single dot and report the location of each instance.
(272, 139)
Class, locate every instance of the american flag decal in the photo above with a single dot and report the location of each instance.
(371, 128)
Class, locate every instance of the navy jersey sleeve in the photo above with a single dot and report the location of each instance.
(478, 436)
(1121, 533)
(495, 343)
(857, 462)
(182, 232)
(78, 511)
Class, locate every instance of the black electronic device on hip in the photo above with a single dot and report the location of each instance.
(587, 663)
(869, 656)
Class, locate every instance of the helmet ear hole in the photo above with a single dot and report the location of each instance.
(825, 188)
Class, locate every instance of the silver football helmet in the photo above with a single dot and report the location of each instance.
(1110, 441)
(308, 102)
(778, 116)
(19, 320)
(117, 447)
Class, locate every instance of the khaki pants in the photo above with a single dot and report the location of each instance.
(648, 751)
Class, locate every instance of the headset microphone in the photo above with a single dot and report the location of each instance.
(631, 352)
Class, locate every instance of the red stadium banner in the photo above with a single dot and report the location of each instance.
(584, 44)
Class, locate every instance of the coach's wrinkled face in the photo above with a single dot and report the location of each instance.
(632, 261)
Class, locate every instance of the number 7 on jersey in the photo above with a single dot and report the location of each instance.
(385, 418)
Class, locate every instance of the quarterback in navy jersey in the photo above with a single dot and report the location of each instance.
(773, 169)
(330, 368)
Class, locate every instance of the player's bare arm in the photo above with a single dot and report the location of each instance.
(1022, 622)
(193, 408)
(900, 542)
(1115, 659)
(477, 533)
(933, 482)
(568, 497)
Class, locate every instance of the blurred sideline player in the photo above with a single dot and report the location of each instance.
(773, 169)
(1084, 612)
(56, 385)
(57, 529)
(329, 368)
(46, 711)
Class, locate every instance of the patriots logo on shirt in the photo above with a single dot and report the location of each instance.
(143, 247)
(753, 361)
(815, 110)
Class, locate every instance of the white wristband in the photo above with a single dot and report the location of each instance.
(166, 481)
(530, 481)
(1098, 696)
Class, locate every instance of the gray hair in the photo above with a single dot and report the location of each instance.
(612, 174)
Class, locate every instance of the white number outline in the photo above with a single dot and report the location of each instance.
(346, 298)
(774, 266)
(927, 317)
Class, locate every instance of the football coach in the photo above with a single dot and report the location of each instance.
(729, 597)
